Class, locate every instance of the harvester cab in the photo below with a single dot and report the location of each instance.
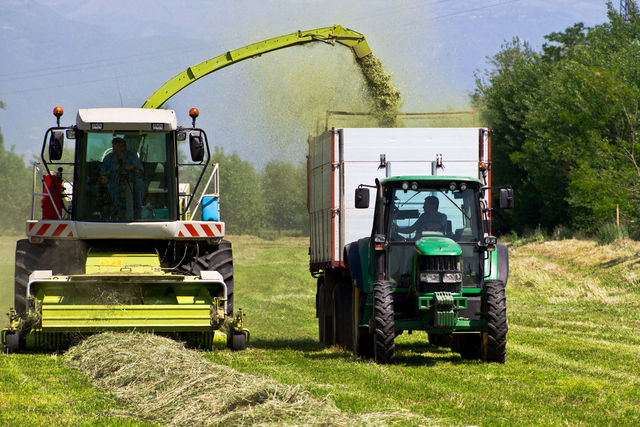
(116, 244)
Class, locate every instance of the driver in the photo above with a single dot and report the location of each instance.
(122, 172)
(429, 220)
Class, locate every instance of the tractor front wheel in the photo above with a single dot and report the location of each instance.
(384, 348)
(494, 341)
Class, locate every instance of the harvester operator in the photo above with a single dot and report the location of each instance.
(122, 172)
(429, 220)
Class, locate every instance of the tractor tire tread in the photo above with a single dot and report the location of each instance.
(384, 323)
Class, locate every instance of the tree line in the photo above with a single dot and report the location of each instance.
(565, 125)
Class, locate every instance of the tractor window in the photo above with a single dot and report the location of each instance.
(125, 177)
(434, 212)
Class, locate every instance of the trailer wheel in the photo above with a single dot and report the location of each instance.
(384, 348)
(494, 341)
(325, 312)
(28, 257)
(214, 258)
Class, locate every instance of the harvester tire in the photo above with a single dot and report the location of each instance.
(494, 341)
(28, 257)
(214, 258)
(384, 347)
(12, 342)
(239, 341)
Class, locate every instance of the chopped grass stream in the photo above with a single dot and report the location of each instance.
(573, 357)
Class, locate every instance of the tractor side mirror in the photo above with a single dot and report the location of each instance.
(56, 145)
(506, 198)
(362, 198)
(196, 146)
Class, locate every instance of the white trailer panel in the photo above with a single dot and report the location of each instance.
(342, 159)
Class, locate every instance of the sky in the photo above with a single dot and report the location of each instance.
(116, 53)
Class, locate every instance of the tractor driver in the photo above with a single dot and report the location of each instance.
(429, 220)
(122, 172)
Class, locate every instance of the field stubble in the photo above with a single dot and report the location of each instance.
(573, 352)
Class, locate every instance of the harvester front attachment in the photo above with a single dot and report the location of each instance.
(123, 292)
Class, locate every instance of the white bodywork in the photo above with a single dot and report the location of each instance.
(342, 159)
(126, 118)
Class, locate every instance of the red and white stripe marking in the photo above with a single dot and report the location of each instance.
(50, 229)
(199, 229)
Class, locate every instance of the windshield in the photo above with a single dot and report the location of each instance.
(125, 176)
(433, 212)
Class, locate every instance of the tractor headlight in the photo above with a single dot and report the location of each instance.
(430, 277)
(451, 277)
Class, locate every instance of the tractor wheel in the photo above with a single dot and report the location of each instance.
(214, 258)
(384, 348)
(494, 341)
(468, 345)
(342, 314)
(28, 257)
(362, 344)
(440, 340)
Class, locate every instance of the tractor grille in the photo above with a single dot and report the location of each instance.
(441, 265)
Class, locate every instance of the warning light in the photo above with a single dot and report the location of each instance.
(58, 112)
(194, 113)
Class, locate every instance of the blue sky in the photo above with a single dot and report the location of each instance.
(110, 53)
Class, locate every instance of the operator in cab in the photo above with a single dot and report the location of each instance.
(429, 220)
(122, 172)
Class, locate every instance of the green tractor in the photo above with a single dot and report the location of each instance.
(428, 261)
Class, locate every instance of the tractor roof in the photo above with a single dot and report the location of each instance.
(126, 119)
(431, 179)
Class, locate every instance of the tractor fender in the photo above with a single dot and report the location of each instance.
(503, 263)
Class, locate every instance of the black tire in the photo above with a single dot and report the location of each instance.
(214, 258)
(12, 341)
(28, 259)
(440, 340)
(239, 341)
(494, 341)
(326, 327)
(362, 343)
(468, 345)
(384, 347)
(342, 325)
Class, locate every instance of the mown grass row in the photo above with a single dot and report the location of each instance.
(573, 353)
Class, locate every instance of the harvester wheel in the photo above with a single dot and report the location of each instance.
(214, 258)
(28, 256)
(239, 341)
(494, 341)
(384, 347)
(12, 342)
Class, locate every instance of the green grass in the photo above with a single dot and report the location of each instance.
(573, 352)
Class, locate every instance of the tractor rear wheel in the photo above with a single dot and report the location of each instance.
(214, 258)
(384, 347)
(494, 341)
(342, 323)
(362, 343)
(28, 259)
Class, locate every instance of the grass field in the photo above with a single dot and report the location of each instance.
(573, 352)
